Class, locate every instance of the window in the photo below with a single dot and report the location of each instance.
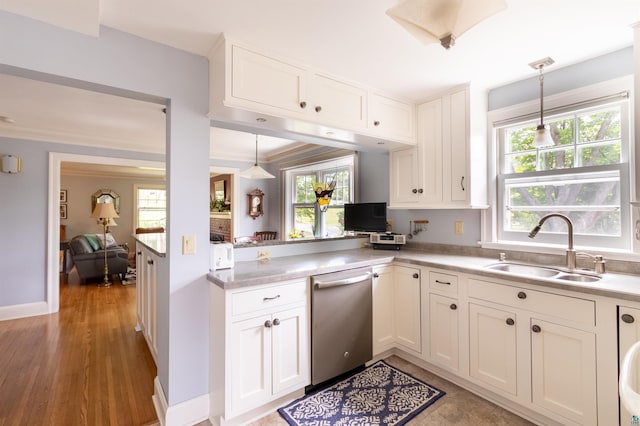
(584, 175)
(304, 217)
(151, 206)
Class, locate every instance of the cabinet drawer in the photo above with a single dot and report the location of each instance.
(443, 282)
(268, 297)
(570, 308)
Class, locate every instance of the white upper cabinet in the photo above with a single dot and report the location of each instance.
(336, 102)
(268, 82)
(391, 117)
(451, 155)
(247, 84)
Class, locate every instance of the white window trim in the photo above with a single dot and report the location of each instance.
(340, 158)
(136, 187)
(489, 231)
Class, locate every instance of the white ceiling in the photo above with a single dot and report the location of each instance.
(354, 39)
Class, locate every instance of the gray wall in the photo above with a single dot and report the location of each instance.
(121, 64)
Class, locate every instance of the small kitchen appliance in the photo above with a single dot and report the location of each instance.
(220, 256)
(387, 240)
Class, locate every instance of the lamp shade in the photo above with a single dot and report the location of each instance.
(256, 172)
(104, 211)
(542, 137)
(431, 21)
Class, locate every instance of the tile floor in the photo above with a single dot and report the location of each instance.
(457, 407)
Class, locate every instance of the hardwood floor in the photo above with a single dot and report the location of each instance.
(84, 365)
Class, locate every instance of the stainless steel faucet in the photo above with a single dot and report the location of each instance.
(571, 253)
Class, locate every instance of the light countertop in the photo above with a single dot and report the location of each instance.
(157, 243)
(250, 273)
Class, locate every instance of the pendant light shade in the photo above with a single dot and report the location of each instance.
(431, 21)
(255, 171)
(543, 132)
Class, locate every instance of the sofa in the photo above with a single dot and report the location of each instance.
(87, 253)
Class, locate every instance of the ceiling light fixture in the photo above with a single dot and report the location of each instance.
(256, 172)
(543, 132)
(442, 20)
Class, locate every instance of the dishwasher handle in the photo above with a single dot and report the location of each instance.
(346, 281)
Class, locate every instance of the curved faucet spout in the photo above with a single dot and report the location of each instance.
(571, 253)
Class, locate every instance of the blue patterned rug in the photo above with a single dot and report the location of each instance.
(378, 395)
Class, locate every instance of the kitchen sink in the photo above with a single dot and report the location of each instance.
(583, 278)
(519, 269)
(535, 271)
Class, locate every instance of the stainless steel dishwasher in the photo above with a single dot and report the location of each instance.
(341, 316)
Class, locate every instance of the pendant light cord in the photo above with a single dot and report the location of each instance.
(256, 163)
(541, 96)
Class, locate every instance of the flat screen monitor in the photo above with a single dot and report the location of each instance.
(365, 217)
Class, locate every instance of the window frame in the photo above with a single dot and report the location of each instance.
(592, 97)
(141, 186)
(320, 169)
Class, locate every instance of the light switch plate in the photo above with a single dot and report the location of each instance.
(188, 244)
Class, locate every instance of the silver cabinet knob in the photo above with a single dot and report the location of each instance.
(453, 306)
(376, 123)
(303, 104)
(522, 295)
(416, 275)
(629, 319)
(268, 324)
(536, 328)
(318, 108)
(276, 322)
(510, 321)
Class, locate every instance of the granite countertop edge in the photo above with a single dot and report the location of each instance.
(252, 273)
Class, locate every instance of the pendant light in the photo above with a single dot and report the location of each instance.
(256, 172)
(543, 132)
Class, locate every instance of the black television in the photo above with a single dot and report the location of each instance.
(365, 217)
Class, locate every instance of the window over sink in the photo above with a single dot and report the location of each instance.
(584, 175)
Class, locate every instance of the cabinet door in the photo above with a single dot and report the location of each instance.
(443, 331)
(492, 347)
(290, 356)
(407, 307)
(383, 305)
(338, 103)
(151, 269)
(628, 334)
(457, 132)
(140, 286)
(563, 371)
(430, 149)
(391, 118)
(266, 81)
(405, 186)
(250, 352)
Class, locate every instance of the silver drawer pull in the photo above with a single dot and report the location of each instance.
(266, 299)
(443, 282)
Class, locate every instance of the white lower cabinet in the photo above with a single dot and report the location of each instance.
(443, 331)
(259, 346)
(267, 357)
(383, 309)
(492, 347)
(563, 371)
(537, 346)
(396, 309)
(146, 290)
(407, 305)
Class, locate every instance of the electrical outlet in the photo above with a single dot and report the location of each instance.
(264, 254)
(459, 228)
(188, 244)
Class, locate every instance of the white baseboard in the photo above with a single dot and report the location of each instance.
(24, 310)
(188, 412)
